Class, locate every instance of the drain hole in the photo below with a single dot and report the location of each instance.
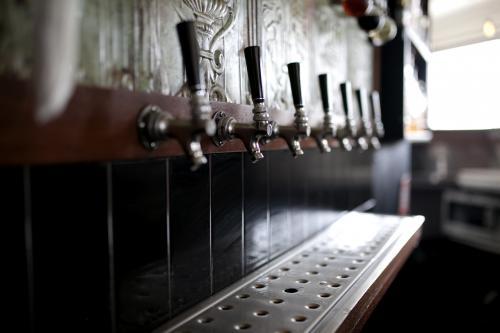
(322, 264)
(283, 331)
(272, 277)
(295, 262)
(299, 319)
(312, 306)
(225, 307)
(276, 301)
(315, 249)
(312, 273)
(343, 276)
(259, 286)
(358, 261)
(243, 296)
(261, 313)
(352, 268)
(324, 295)
(291, 290)
(244, 326)
(330, 258)
(333, 285)
(284, 269)
(205, 320)
(302, 281)
(366, 253)
(305, 255)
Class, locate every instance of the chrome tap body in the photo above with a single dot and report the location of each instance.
(252, 135)
(155, 125)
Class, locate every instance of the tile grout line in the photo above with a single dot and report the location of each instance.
(169, 252)
(243, 263)
(28, 241)
(210, 230)
(111, 256)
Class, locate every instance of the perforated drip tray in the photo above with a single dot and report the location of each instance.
(312, 287)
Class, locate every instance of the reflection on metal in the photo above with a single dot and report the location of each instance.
(311, 288)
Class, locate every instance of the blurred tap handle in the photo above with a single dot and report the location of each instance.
(190, 54)
(252, 57)
(294, 75)
(323, 88)
(377, 113)
(362, 99)
(346, 93)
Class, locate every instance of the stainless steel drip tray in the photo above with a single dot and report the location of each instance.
(315, 287)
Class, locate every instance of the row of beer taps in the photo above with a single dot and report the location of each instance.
(155, 125)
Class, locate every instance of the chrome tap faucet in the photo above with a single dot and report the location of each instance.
(155, 125)
(252, 135)
(366, 132)
(347, 135)
(300, 128)
(328, 129)
(376, 117)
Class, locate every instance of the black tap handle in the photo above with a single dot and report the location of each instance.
(362, 98)
(375, 106)
(294, 74)
(323, 88)
(190, 53)
(252, 57)
(346, 90)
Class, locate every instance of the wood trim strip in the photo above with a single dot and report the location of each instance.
(97, 125)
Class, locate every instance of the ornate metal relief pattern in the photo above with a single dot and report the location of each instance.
(284, 39)
(214, 18)
(331, 51)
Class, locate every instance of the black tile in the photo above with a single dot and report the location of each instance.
(140, 244)
(256, 211)
(340, 191)
(279, 201)
(313, 170)
(70, 248)
(15, 260)
(189, 234)
(227, 218)
(298, 200)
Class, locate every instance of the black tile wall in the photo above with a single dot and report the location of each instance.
(15, 261)
(123, 247)
(70, 248)
(140, 244)
(189, 234)
(256, 212)
(227, 218)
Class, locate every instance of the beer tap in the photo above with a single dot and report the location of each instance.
(252, 135)
(300, 128)
(156, 125)
(376, 116)
(328, 128)
(366, 132)
(349, 131)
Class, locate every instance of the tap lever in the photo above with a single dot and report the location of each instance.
(252, 58)
(323, 87)
(377, 113)
(362, 98)
(190, 54)
(346, 92)
(294, 75)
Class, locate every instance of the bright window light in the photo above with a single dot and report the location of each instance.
(464, 87)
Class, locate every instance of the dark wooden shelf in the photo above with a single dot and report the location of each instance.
(99, 124)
